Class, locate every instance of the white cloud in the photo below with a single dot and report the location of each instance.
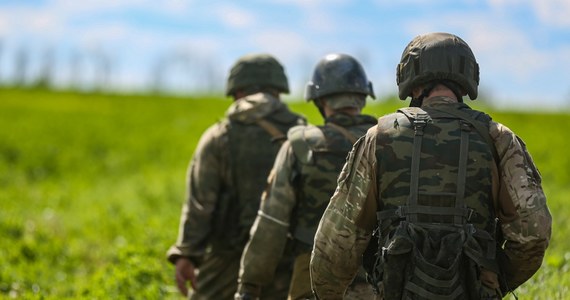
(20, 22)
(106, 33)
(71, 7)
(287, 45)
(312, 3)
(499, 47)
(513, 63)
(400, 3)
(173, 6)
(234, 16)
(509, 51)
(549, 12)
(320, 21)
(554, 12)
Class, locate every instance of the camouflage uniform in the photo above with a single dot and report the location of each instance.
(225, 180)
(346, 227)
(299, 190)
(454, 199)
(304, 178)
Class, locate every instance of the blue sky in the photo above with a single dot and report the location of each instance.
(522, 46)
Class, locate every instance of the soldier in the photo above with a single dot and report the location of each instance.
(448, 202)
(304, 178)
(226, 177)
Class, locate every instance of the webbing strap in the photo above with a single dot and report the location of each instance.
(433, 210)
(436, 282)
(347, 134)
(384, 214)
(412, 287)
(462, 172)
(479, 127)
(271, 129)
(419, 123)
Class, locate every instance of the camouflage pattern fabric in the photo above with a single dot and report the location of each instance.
(345, 229)
(300, 186)
(449, 182)
(225, 179)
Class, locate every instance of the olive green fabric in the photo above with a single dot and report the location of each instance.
(453, 176)
(226, 177)
(523, 217)
(257, 70)
(439, 166)
(300, 185)
(322, 153)
(437, 56)
(301, 289)
(252, 153)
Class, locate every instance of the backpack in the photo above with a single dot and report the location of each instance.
(250, 150)
(321, 153)
(436, 219)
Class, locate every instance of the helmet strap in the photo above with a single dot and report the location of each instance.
(417, 102)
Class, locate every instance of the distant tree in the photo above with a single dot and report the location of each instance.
(157, 75)
(103, 68)
(1, 54)
(46, 72)
(75, 70)
(21, 64)
(184, 71)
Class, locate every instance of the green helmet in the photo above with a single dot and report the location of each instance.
(437, 56)
(257, 70)
(338, 73)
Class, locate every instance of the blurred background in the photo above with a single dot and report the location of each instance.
(187, 47)
(102, 103)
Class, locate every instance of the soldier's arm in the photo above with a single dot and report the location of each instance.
(268, 234)
(340, 241)
(523, 213)
(204, 180)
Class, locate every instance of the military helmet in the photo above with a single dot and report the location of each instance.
(257, 70)
(338, 73)
(437, 56)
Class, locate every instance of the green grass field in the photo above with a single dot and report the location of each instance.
(91, 188)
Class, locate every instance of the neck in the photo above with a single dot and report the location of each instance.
(441, 90)
(351, 111)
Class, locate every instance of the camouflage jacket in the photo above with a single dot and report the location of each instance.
(227, 174)
(300, 186)
(345, 229)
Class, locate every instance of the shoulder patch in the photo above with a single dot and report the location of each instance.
(304, 140)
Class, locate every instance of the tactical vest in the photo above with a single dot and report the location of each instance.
(436, 218)
(321, 153)
(250, 153)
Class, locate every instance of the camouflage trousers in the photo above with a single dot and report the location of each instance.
(218, 274)
(300, 289)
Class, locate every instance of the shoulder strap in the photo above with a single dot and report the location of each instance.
(347, 134)
(419, 119)
(478, 125)
(271, 129)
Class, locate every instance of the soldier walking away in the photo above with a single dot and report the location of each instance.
(304, 178)
(225, 179)
(443, 202)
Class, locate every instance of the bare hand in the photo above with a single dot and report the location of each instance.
(185, 272)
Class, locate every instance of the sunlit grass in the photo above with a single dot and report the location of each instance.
(91, 188)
